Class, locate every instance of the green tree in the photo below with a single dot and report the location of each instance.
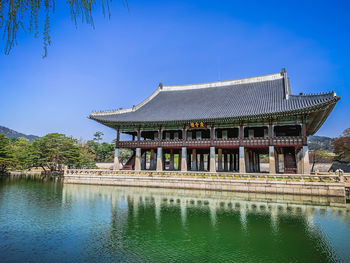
(103, 152)
(22, 151)
(98, 136)
(6, 156)
(87, 159)
(55, 150)
(341, 147)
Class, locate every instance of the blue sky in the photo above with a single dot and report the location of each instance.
(122, 60)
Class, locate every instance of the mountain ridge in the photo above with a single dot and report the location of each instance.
(9, 133)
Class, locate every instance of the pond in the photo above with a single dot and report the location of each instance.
(55, 222)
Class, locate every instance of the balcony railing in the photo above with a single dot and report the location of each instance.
(229, 142)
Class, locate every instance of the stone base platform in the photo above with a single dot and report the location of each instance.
(256, 185)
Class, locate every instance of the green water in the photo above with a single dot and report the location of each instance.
(51, 222)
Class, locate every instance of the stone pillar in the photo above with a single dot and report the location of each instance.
(159, 159)
(201, 162)
(225, 162)
(272, 164)
(183, 159)
(171, 163)
(138, 159)
(151, 162)
(116, 165)
(194, 160)
(219, 159)
(212, 161)
(306, 163)
(299, 160)
(241, 160)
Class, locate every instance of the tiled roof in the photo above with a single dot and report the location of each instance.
(266, 95)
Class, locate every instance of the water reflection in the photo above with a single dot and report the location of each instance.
(51, 222)
(162, 225)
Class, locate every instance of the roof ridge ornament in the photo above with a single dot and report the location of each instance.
(286, 83)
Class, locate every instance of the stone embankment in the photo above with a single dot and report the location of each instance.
(316, 185)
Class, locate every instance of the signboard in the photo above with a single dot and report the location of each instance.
(197, 125)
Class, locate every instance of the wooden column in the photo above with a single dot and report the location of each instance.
(117, 139)
(241, 135)
(184, 136)
(159, 137)
(270, 134)
(303, 132)
(138, 136)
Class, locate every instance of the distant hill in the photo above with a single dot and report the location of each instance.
(320, 143)
(13, 134)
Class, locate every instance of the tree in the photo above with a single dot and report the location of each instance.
(98, 136)
(6, 157)
(30, 14)
(342, 147)
(22, 151)
(55, 150)
(103, 152)
(87, 159)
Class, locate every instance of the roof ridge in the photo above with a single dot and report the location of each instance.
(315, 94)
(267, 77)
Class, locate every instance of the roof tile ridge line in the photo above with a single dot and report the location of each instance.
(325, 93)
(255, 79)
(134, 108)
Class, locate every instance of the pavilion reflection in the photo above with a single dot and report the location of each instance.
(243, 203)
(151, 225)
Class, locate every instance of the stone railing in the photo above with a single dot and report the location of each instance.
(210, 175)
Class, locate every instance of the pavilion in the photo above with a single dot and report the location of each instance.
(223, 126)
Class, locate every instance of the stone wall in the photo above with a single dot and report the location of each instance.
(254, 186)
